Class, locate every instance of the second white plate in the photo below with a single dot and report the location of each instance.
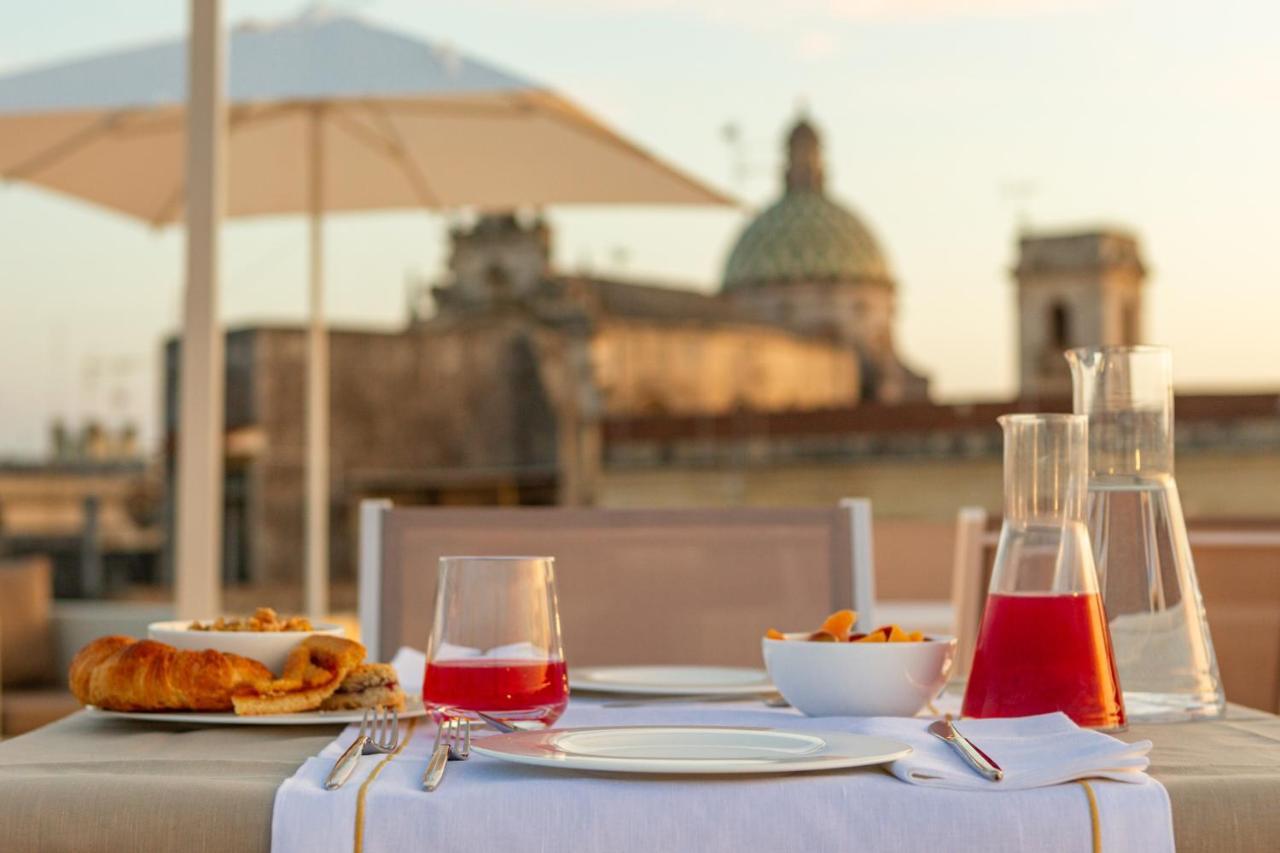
(670, 680)
(691, 749)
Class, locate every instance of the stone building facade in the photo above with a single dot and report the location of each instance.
(522, 384)
(1080, 288)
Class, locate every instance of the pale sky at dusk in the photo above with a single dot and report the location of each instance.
(1161, 116)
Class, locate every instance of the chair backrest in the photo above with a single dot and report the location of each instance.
(1238, 568)
(635, 586)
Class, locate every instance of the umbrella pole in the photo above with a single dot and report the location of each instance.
(197, 552)
(316, 582)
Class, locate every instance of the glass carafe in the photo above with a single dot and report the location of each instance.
(1043, 644)
(1158, 627)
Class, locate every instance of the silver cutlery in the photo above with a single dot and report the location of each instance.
(944, 730)
(453, 743)
(501, 725)
(379, 733)
(773, 700)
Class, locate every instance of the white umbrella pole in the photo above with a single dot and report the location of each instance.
(197, 556)
(316, 585)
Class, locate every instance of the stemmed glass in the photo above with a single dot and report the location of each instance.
(495, 642)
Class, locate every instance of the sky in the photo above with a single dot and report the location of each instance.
(946, 123)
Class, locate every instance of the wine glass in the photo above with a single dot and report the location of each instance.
(495, 642)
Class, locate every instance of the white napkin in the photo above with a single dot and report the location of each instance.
(411, 666)
(1033, 752)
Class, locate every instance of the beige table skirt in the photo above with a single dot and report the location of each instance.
(85, 785)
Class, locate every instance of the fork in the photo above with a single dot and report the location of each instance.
(377, 735)
(453, 743)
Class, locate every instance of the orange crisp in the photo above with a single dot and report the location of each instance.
(837, 628)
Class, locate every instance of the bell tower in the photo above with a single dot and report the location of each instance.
(1079, 288)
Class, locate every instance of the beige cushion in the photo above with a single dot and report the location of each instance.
(26, 638)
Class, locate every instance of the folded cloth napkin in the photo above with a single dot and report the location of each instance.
(1033, 752)
(540, 809)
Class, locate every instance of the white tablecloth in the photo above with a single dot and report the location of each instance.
(488, 805)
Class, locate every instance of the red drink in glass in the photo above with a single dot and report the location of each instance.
(1042, 653)
(510, 689)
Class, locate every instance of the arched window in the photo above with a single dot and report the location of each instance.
(1129, 323)
(1059, 326)
(499, 282)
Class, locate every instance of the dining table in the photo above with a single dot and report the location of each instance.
(89, 783)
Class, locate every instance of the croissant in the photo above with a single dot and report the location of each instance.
(122, 674)
(314, 671)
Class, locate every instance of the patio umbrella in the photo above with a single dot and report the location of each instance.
(326, 113)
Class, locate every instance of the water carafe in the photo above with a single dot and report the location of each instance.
(1158, 627)
(1043, 644)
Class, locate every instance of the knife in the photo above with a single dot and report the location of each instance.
(944, 730)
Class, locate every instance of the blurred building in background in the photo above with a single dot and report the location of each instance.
(92, 505)
(514, 383)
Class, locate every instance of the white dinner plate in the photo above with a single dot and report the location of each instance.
(670, 680)
(690, 749)
(413, 708)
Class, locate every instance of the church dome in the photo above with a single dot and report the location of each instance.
(805, 236)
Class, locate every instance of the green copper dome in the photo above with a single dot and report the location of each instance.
(805, 236)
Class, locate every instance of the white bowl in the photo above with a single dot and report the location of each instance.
(859, 679)
(271, 648)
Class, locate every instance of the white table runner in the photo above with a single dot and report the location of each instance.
(488, 805)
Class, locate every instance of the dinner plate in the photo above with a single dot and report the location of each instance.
(690, 749)
(670, 680)
(413, 708)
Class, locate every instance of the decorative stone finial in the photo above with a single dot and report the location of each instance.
(804, 157)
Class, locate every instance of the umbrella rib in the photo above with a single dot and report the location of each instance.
(65, 148)
(388, 141)
(239, 116)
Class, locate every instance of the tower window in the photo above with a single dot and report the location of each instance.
(1129, 323)
(1059, 326)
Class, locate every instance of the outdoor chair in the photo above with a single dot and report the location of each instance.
(635, 586)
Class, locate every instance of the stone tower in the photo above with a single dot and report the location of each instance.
(1081, 288)
(499, 260)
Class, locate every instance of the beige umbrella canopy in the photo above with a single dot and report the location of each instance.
(325, 114)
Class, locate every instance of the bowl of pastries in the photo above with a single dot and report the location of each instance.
(265, 636)
(321, 672)
(837, 671)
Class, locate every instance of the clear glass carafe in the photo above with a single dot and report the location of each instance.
(1158, 627)
(1043, 644)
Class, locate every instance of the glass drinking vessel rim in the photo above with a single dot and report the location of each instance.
(1047, 417)
(1123, 348)
(504, 558)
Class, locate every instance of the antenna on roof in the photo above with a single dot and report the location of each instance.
(1020, 193)
(739, 171)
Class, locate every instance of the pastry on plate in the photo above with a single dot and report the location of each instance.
(123, 674)
(368, 686)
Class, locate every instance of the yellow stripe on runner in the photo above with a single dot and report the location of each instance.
(364, 786)
(1095, 822)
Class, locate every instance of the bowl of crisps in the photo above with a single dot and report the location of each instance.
(838, 672)
(265, 636)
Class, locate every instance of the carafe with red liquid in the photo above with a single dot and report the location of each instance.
(495, 642)
(1043, 644)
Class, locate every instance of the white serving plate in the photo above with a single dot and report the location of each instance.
(690, 749)
(413, 708)
(670, 680)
